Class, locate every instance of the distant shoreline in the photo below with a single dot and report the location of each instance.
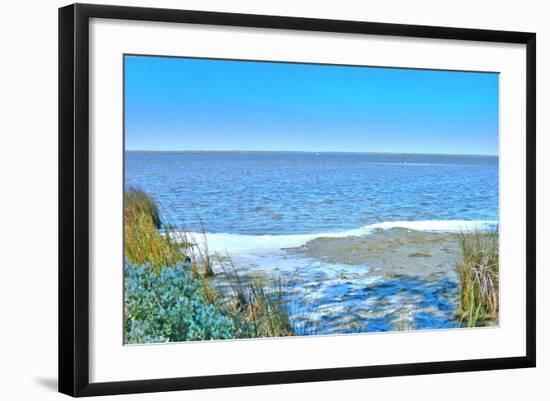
(308, 152)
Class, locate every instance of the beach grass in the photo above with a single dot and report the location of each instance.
(143, 243)
(259, 307)
(255, 305)
(478, 271)
(141, 201)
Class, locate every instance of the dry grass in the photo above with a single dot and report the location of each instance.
(257, 304)
(479, 277)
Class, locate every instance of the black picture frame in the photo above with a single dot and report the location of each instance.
(74, 198)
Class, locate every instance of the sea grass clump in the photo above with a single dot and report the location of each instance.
(478, 272)
(143, 242)
(143, 202)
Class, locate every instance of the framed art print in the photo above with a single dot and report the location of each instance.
(250, 199)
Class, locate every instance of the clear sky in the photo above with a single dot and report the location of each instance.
(191, 104)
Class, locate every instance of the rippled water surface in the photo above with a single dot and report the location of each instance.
(295, 193)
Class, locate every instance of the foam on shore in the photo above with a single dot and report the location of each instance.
(252, 244)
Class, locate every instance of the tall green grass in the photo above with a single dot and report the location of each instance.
(478, 272)
(143, 243)
(142, 202)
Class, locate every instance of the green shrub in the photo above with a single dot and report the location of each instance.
(169, 307)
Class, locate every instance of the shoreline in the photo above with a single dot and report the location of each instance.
(261, 243)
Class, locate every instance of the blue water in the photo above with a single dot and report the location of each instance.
(258, 193)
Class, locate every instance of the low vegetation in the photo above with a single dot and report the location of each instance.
(172, 293)
(169, 306)
(478, 272)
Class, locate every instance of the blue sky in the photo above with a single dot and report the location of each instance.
(192, 104)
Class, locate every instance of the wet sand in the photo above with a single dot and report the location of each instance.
(410, 281)
(394, 252)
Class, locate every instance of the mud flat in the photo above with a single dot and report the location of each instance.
(393, 252)
(409, 281)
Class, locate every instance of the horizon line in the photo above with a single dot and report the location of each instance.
(307, 151)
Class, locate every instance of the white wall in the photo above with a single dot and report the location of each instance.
(28, 173)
